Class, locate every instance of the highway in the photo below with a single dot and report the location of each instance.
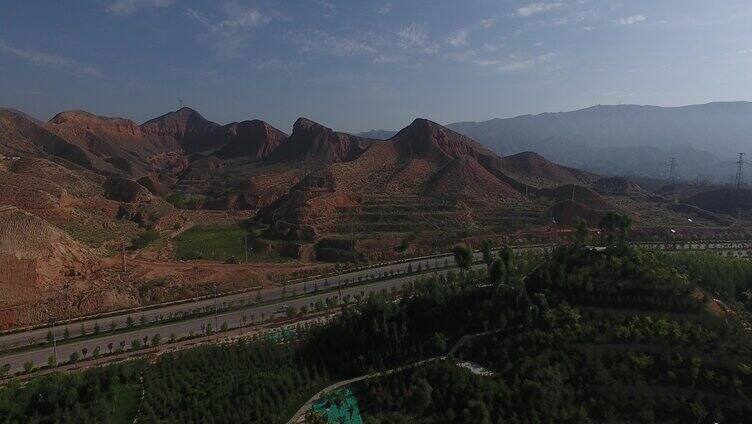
(233, 308)
(317, 290)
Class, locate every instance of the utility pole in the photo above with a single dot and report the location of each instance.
(216, 319)
(739, 183)
(54, 337)
(125, 269)
(673, 177)
(180, 101)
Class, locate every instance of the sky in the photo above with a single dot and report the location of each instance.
(357, 65)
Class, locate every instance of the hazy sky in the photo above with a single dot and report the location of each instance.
(357, 65)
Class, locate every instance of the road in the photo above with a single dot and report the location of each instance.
(39, 335)
(233, 319)
(246, 304)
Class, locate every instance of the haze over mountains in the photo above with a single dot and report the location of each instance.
(625, 139)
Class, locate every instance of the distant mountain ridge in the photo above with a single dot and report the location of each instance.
(624, 139)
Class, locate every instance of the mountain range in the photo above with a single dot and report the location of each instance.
(79, 187)
(625, 139)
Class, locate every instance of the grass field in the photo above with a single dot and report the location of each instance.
(214, 243)
(219, 243)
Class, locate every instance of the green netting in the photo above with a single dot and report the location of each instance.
(339, 407)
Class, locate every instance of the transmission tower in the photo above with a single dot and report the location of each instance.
(672, 170)
(740, 171)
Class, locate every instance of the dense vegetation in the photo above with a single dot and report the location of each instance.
(726, 278)
(587, 336)
(614, 336)
(110, 394)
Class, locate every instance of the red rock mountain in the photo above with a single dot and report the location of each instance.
(21, 135)
(254, 139)
(310, 140)
(188, 129)
(428, 140)
(535, 170)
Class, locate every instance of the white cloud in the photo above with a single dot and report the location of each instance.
(458, 39)
(629, 20)
(415, 37)
(325, 43)
(518, 65)
(385, 9)
(130, 7)
(51, 60)
(489, 22)
(535, 8)
(230, 32)
(744, 51)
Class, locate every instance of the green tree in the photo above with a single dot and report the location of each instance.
(28, 367)
(615, 227)
(486, 247)
(581, 232)
(497, 273)
(463, 256)
(156, 339)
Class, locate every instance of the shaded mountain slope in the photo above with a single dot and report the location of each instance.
(312, 141)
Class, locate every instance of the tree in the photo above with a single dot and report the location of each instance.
(292, 312)
(439, 342)
(51, 361)
(109, 346)
(616, 227)
(498, 271)
(113, 325)
(486, 247)
(581, 232)
(66, 333)
(28, 367)
(96, 328)
(129, 321)
(97, 351)
(507, 255)
(73, 358)
(156, 339)
(84, 351)
(50, 336)
(135, 344)
(224, 327)
(463, 256)
(423, 395)
(4, 370)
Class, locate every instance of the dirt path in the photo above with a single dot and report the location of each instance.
(299, 415)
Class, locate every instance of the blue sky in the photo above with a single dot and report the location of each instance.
(357, 65)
